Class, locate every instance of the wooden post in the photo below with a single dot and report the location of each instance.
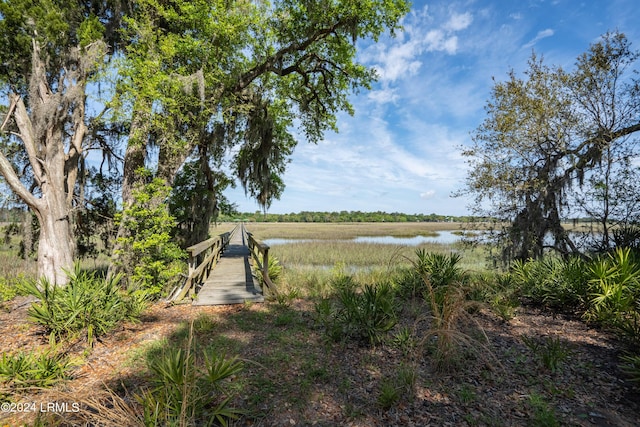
(265, 266)
(192, 264)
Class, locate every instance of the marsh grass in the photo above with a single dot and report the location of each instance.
(326, 254)
(335, 231)
(331, 252)
(309, 266)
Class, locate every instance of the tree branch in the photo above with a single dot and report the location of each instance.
(269, 63)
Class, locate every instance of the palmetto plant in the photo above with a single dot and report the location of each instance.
(26, 370)
(441, 269)
(614, 285)
(87, 306)
(551, 281)
(631, 367)
(364, 313)
(187, 390)
(445, 292)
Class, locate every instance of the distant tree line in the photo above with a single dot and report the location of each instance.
(343, 216)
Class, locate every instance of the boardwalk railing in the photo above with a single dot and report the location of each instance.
(203, 257)
(260, 253)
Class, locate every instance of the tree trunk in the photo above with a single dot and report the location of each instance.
(56, 245)
(52, 132)
(134, 160)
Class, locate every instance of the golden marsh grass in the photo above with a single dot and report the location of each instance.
(338, 231)
(326, 248)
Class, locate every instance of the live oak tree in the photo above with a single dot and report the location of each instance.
(49, 52)
(548, 135)
(219, 83)
(223, 84)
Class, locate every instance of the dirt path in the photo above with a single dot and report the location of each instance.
(586, 390)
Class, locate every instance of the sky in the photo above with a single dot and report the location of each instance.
(401, 150)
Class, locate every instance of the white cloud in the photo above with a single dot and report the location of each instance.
(437, 40)
(541, 35)
(459, 21)
(427, 194)
(399, 58)
(383, 96)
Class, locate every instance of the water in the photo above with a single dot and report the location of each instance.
(443, 237)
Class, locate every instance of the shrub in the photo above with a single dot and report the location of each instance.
(614, 286)
(26, 370)
(440, 269)
(449, 311)
(147, 254)
(552, 282)
(87, 306)
(502, 295)
(628, 327)
(187, 392)
(365, 314)
(446, 293)
(551, 352)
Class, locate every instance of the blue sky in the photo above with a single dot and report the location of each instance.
(400, 152)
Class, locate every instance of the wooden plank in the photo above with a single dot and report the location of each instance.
(231, 281)
(198, 248)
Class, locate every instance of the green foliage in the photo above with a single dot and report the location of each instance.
(193, 198)
(187, 391)
(552, 282)
(627, 325)
(533, 156)
(446, 292)
(400, 385)
(343, 216)
(389, 394)
(8, 290)
(551, 352)
(285, 296)
(53, 24)
(90, 30)
(605, 289)
(94, 225)
(631, 367)
(614, 286)
(262, 69)
(147, 254)
(500, 292)
(87, 306)
(439, 269)
(543, 415)
(404, 340)
(274, 268)
(363, 314)
(26, 370)
(443, 286)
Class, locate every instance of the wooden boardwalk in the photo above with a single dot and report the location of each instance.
(231, 280)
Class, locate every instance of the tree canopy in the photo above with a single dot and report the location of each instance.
(204, 91)
(544, 144)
